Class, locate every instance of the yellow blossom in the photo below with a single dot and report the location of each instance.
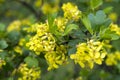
(113, 16)
(48, 8)
(22, 42)
(89, 53)
(61, 23)
(38, 3)
(71, 11)
(15, 25)
(114, 27)
(41, 29)
(2, 63)
(113, 58)
(56, 58)
(42, 43)
(28, 73)
(18, 49)
(32, 28)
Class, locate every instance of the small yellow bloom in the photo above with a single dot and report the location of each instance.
(113, 16)
(113, 58)
(48, 8)
(61, 23)
(89, 53)
(114, 27)
(56, 58)
(41, 43)
(71, 11)
(15, 25)
(2, 63)
(28, 73)
(38, 3)
(18, 50)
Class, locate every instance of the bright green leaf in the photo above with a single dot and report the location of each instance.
(71, 50)
(31, 62)
(108, 34)
(69, 28)
(98, 20)
(3, 44)
(52, 26)
(2, 27)
(95, 3)
(87, 24)
(108, 9)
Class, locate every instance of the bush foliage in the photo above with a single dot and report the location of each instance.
(59, 40)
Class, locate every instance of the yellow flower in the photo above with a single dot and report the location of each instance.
(117, 55)
(114, 27)
(41, 29)
(32, 28)
(28, 73)
(41, 43)
(56, 58)
(18, 50)
(2, 63)
(48, 8)
(1, 50)
(61, 23)
(89, 53)
(113, 16)
(22, 42)
(71, 11)
(25, 21)
(38, 3)
(113, 58)
(15, 25)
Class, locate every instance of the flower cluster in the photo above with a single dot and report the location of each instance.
(21, 44)
(41, 44)
(71, 11)
(48, 8)
(113, 16)
(57, 57)
(2, 63)
(61, 23)
(89, 53)
(114, 27)
(112, 58)
(28, 73)
(43, 41)
(15, 25)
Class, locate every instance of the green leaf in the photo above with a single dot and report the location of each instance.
(87, 24)
(3, 44)
(52, 26)
(116, 43)
(13, 37)
(108, 34)
(31, 62)
(98, 20)
(71, 50)
(3, 54)
(108, 9)
(2, 27)
(95, 3)
(100, 17)
(69, 28)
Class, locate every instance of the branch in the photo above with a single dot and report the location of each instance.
(31, 8)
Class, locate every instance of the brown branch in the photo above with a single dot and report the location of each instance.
(31, 8)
